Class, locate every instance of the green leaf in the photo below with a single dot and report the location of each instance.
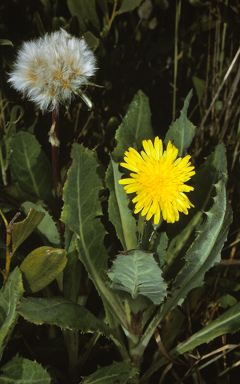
(129, 5)
(228, 322)
(206, 249)
(10, 293)
(30, 166)
(22, 230)
(5, 42)
(73, 271)
(137, 272)
(47, 227)
(85, 10)
(61, 312)
(207, 175)
(227, 300)
(80, 211)
(182, 130)
(119, 213)
(117, 372)
(41, 267)
(135, 127)
(159, 247)
(18, 371)
(204, 252)
(91, 40)
(15, 115)
(200, 86)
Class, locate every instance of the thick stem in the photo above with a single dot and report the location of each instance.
(55, 143)
(53, 138)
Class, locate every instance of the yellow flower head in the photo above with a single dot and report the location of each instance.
(158, 181)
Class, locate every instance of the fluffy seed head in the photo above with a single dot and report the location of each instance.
(53, 69)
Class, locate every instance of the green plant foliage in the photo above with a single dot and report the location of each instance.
(10, 293)
(47, 227)
(227, 300)
(10, 130)
(206, 249)
(182, 130)
(121, 372)
(30, 166)
(129, 5)
(208, 174)
(135, 127)
(137, 272)
(81, 190)
(21, 370)
(85, 11)
(5, 42)
(107, 284)
(61, 312)
(41, 267)
(21, 231)
(228, 322)
(119, 213)
(200, 87)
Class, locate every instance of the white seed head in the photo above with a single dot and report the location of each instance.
(53, 69)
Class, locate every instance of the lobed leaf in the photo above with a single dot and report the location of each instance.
(137, 272)
(20, 370)
(10, 293)
(135, 127)
(41, 267)
(117, 372)
(119, 213)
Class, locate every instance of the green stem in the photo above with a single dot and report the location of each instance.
(71, 338)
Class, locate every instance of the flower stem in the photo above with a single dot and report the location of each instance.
(53, 139)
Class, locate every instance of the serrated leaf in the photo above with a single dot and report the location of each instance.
(80, 211)
(22, 230)
(117, 372)
(85, 10)
(119, 213)
(135, 127)
(159, 247)
(129, 5)
(30, 166)
(182, 130)
(206, 249)
(207, 175)
(41, 267)
(137, 272)
(10, 293)
(24, 371)
(61, 312)
(47, 227)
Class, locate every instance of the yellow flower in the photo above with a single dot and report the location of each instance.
(158, 181)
